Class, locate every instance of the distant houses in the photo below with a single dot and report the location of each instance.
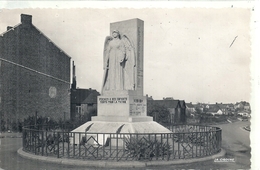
(243, 105)
(240, 108)
(215, 110)
(190, 108)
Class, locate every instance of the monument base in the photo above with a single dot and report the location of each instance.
(121, 127)
(122, 118)
(100, 129)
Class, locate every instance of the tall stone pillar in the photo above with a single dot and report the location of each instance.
(134, 30)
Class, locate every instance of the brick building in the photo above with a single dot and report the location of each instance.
(34, 74)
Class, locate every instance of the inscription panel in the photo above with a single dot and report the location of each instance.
(138, 107)
(112, 100)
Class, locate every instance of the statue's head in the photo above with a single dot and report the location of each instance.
(115, 34)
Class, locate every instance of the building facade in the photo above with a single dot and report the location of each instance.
(176, 108)
(34, 74)
(83, 101)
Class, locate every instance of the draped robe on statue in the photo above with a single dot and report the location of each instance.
(115, 56)
(119, 63)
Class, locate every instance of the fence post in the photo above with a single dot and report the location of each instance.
(42, 142)
(192, 143)
(80, 140)
(54, 142)
(34, 142)
(104, 144)
(196, 144)
(116, 146)
(200, 142)
(173, 153)
(220, 134)
(179, 145)
(73, 144)
(58, 146)
(46, 143)
(110, 146)
(23, 132)
(161, 146)
(168, 147)
(68, 151)
(63, 143)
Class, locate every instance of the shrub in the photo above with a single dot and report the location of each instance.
(144, 148)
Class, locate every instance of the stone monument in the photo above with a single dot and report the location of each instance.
(122, 108)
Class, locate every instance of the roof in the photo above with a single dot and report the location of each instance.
(21, 24)
(214, 109)
(80, 96)
(92, 98)
(182, 103)
(198, 105)
(222, 106)
(11, 29)
(168, 98)
(166, 103)
(189, 105)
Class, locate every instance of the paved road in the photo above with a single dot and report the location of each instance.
(235, 141)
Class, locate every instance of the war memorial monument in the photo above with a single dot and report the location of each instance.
(122, 106)
(122, 131)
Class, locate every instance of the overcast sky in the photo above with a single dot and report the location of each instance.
(187, 51)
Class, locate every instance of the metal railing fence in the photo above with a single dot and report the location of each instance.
(185, 142)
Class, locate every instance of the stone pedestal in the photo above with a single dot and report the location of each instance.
(126, 106)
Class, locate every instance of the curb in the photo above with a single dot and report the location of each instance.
(10, 136)
(114, 164)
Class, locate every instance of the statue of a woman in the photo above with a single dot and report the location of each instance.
(119, 63)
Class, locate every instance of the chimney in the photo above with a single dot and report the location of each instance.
(74, 70)
(9, 27)
(74, 81)
(26, 19)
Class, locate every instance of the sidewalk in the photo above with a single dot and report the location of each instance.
(114, 164)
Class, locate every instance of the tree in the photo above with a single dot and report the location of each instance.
(91, 112)
(198, 110)
(159, 113)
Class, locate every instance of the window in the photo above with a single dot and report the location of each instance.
(79, 110)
